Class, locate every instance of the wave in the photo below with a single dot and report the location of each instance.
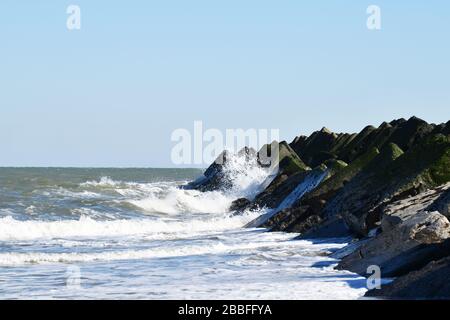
(16, 230)
(164, 197)
(79, 195)
(175, 201)
(247, 180)
(103, 182)
(246, 176)
(311, 181)
(305, 247)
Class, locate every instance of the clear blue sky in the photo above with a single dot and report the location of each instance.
(111, 93)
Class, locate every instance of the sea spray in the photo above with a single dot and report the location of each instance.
(86, 227)
(311, 181)
(56, 219)
(244, 177)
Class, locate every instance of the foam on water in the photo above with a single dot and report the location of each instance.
(247, 179)
(311, 181)
(178, 251)
(86, 227)
(174, 200)
(103, 182)
(150, 239)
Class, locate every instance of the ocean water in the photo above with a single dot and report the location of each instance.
(134, 234)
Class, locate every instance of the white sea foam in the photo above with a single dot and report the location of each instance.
(174, 201)
(74, 194)
(247, 179)
(103, 182)
(311, 181)
(216, 248)
(185, 246)
(305, 186)
(166, 197)
(85, 227)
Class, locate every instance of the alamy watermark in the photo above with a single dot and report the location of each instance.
(73, 278)
(73, 21)
(374, 279)
(202, 147)
(374, 18)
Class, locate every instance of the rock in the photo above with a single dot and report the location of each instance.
(330, 228)
(357, 187)
(446, 129)
(411, 132)
(406, 247)
(442, 204)
(343, 176)
(388, 185)
(424, 166)
(248, 153)
(307, 211)
(315, 149)
(283, 185)
(404, 134)
(360, 144)
(278, 190)
(430, 282)
(305, 182)
(291, 171)
(401, 210)
(295, 219)
(378, 174)
(218, 176)
(288, 161)
(239, 204)
(334, 166)
(323, 145)
(349, 249)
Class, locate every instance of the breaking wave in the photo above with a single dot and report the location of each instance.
(247, 178)
(16, 230)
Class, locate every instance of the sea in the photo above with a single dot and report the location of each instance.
(125, 233)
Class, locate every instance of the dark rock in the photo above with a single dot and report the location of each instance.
(408, 246)
(216, 177)
(334, 166)
(399, 211)
(315, 149)
(442, 204)
(305, 182)
(424, 166)
(289, 161)
(343, 176)
(239, 204)
(404, 134)
(278, 190)
(331, 228)
(296, 219)
(359, 145)
(349, 249)
(430, 282)
(291, 171)
(324, 145)
(307, 212)
(410, 132)
(446, 129)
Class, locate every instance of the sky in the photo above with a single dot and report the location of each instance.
(112, 93)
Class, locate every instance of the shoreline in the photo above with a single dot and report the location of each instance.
(387, 187)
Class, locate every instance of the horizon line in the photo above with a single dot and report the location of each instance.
(94, 167)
